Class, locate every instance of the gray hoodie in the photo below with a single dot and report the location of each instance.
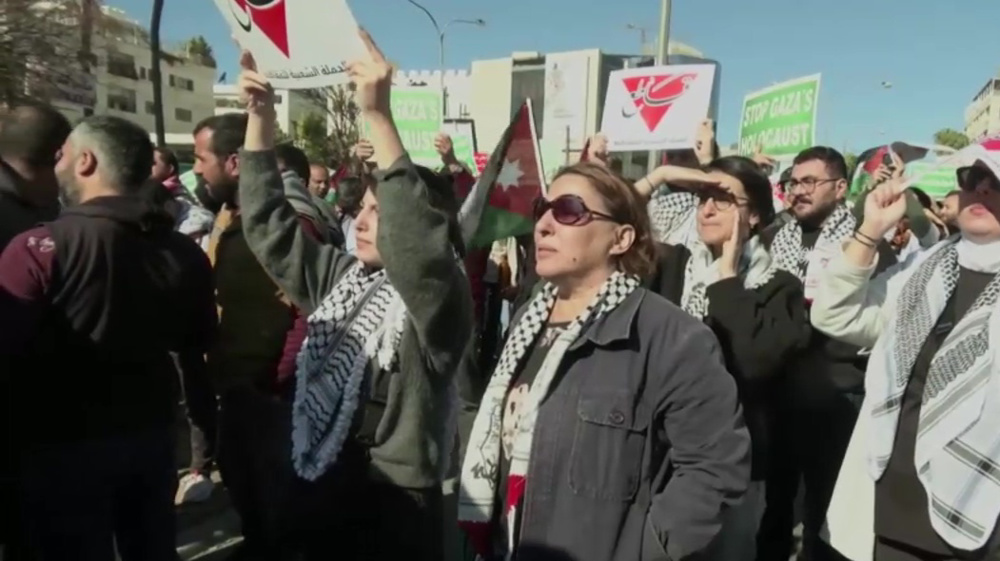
(413, 437)
(308, 205)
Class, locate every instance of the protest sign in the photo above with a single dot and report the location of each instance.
(417, 112)
(781, 119)
(656, 108)
(296, 44)
(937, 179)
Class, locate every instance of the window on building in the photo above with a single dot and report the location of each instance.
(182, 115)
(122, 65)
(277, 99)
(228, 103)
(142, 73)
(150, 108)
(181, 83)
(527, 81)
(121, 99)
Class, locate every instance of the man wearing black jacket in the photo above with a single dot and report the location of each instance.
(91, 305)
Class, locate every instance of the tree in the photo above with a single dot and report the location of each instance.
(310, 135)
(198, 49)
(45, 50)
(852, 162)
(157, 77)
(951, 138)
(280, 137)
(343, 120)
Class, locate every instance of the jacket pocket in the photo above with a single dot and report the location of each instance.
(608, 444)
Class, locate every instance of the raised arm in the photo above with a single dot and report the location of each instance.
(848, 301)
(413, 232)
(303, 268)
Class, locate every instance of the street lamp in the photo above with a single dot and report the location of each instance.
(642, 36)
(662, 57)
(441, 30)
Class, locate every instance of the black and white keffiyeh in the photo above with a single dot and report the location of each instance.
(957, 455)
(790, 255)
(673, 216)
(480, 469)
(756, 268)
(361, 320)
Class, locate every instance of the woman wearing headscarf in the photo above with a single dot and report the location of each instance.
(610, 429)
(924, 461)
(389, 330)
(726, 278)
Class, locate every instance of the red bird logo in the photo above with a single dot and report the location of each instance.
(268, 15)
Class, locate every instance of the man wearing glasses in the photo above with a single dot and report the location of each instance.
(824, 386)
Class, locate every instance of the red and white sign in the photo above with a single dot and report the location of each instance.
(296, 44)
(657, 108)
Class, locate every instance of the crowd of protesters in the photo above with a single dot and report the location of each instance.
(656, 373)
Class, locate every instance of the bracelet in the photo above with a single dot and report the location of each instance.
(858, 237)
(865, 236)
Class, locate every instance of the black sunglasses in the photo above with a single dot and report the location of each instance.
(568, 210)
(724, 200)
(969, 178)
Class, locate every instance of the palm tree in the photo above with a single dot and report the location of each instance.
(157, 78)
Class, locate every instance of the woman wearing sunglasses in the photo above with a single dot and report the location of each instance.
(926, 439)
(610, 429)
(726, 279)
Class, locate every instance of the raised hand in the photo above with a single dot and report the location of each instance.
(372, 78)
(703, 139)
(444, 147)
(732, 249)
(363, 150)
(765, 162)
(885, 206)
(597, 149)
(256, 93)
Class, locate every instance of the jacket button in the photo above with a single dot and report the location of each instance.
(616, 417)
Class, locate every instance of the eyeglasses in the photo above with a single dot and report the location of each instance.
(568, 210)
(724, 200)
(808, 184)
(970, 177)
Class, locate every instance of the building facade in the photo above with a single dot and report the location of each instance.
(119, 79)
(290, 106)
(982, 116)
(567, 92)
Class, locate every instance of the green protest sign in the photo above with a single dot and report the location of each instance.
(781, 119)
(417, 112)
(934, 178)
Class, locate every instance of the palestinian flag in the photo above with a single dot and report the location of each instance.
(500, 205)
(871, 159)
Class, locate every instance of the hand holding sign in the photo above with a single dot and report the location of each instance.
(372, 77)
(445, 147)
(256, 92)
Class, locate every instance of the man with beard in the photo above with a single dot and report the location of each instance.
(823, 388)
(260, 333)
(93, 304)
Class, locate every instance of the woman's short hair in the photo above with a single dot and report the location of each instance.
(626, 207)
(756, 185)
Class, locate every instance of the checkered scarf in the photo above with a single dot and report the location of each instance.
(359, 322)
(702, 270)
(673, 217)
(957, 453)
(789, 253)
(480, 470)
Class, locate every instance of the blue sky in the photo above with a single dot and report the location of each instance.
(937, 57)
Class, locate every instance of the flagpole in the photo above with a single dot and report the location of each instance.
(538, 149)
(662, 57)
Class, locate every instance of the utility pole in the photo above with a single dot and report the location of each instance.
(662, 57)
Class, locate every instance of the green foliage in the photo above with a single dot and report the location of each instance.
(852, 162)
(342, 118)
(310, 136)
(951, 138)
(198, 49)
(280, 136)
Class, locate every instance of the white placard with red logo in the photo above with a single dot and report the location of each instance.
(297, 44)
(656, 108)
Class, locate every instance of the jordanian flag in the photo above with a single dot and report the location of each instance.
(871, 159)
(500, 205)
